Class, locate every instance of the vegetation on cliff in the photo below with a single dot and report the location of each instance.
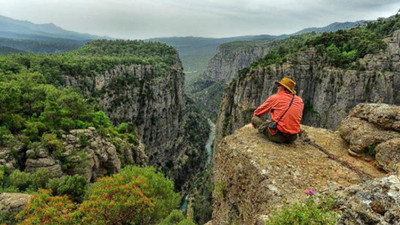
(342, 48)
(95, 57)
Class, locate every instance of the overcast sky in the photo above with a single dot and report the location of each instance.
(208, 18)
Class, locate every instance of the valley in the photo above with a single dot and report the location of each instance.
(84, 118)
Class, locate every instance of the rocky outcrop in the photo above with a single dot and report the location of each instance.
(374, 129)
(12, 203)
(372, 202)
(328, 92)
(84, 152)
(253, 176)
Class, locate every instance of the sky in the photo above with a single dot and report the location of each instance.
(139, 19)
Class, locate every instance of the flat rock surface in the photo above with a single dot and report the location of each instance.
(253, 175)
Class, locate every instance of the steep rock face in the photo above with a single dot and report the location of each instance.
(154, 101)
(374, 129)
(230, 58)
(253, 176)
(329, 93)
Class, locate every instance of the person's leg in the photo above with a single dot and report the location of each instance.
(276, 138)
(260, 124)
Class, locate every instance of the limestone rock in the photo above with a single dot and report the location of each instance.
(372, 202)
(382, 115)
(361, 134)
(374, 128)
(87, 153)
(253, 176)
(41, 158)
(100, 154)
(388, 155)
(11, 203)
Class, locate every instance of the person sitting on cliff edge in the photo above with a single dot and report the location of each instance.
(286, 109)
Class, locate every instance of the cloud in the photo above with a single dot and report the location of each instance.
(215, 18)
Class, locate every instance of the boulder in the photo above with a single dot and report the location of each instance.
(372, 202)
(12, 203)
(388, 155)
(374, 129)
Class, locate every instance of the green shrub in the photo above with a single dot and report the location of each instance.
(101, 120)
(117, 200)
(20, 180)
(316, 210)
(51, 142)
(161, 191)
(176, 218)
(44, 208)
(40, 178)
(74, 186)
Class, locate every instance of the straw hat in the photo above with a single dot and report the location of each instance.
(287, 83)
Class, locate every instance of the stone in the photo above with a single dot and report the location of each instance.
(388, 155)
(12, 203)
(372, 202)
(364, 136)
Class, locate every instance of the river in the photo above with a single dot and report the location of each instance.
(210, 152)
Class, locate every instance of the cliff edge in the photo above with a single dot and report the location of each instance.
(254, 176)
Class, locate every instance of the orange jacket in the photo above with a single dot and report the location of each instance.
(277, 104)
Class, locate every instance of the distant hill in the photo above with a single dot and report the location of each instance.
(18, 29)
(40, 38)
(332, 27)
(7, 50)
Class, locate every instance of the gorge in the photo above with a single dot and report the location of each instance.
(108, 111)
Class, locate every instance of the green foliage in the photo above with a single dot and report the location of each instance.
(176, 218)
(74, 186)
(43, 208)
(342, 48)
(40, 178)
(161, 191)
(131, 197)
(20, 180)
(101, 120)
(117, 200)
(316, 210)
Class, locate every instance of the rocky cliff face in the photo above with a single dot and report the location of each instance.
(168, 125)
(231, 57)
(328, 92)
(254, 176)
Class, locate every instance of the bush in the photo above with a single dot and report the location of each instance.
(131, 197)
(44, 208)
(160, 191)
(117, 200)
(20, 180)
(74, 186)
(176, 218)
(40, 178)
(316, 210)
